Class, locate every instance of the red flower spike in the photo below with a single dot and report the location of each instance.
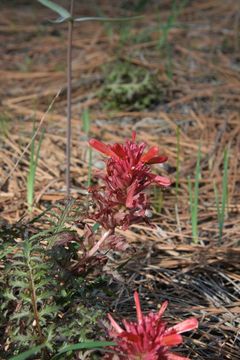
(148, 339)
(121, 201)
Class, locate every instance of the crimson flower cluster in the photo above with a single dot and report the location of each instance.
(121, 200)
(149, 338)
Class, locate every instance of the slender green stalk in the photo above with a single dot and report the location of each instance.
(89, 181)
(33, 168)
(193, 197)
(69, 100)
(221, 210)
(177, 177)
(158, 198)
(86, 129)
(86, 122)
(175, 12)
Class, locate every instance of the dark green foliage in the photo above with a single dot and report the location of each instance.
(41, 302)
(129, 87)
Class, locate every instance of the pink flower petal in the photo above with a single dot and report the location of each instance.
(101, 147)
(163, 308)
(115, 325)
(162, 180)
(130, 194)
(152, 152)
(119, 151)
(172, 340)
(129, 336)
(138, 307)
(186, 325)
(171, 356)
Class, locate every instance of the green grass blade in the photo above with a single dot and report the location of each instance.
(33, 168)
(224, 193)
(83, 346)
(31, 176)
(56, 8)
(86, 129)
(178, 161)
(86, 122)
(107, 19)
(89, 167)
(217, 201)
(175, 12)
(194, 197)
(26, 354)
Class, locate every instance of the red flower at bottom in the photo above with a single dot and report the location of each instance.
(148, 339)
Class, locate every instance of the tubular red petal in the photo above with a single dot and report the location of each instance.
(119, 151)
(171, 340)
(186, 325)
(129, 336)
(133, 136)
(162, 180)
(157, 160)
(163, 308)
(115, 325)
(152, 152)
(101, 147)
(138, 307)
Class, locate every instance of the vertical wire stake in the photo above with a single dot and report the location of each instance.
(69, 101)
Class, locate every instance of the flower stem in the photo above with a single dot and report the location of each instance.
(99, 243)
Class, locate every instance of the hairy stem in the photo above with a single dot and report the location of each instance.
(69, 99)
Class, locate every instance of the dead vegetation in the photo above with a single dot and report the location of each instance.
(198, 72)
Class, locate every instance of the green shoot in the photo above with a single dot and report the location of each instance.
(29, 353)
(83, 346)
(178, 161)
(33, 168)
(86, 122)
(89, 181)
(177, 176)
(158, 199)
(175, 12)
(222, 209)
(193, 197)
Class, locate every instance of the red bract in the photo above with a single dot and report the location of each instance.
(121, 200)
(149, 338)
